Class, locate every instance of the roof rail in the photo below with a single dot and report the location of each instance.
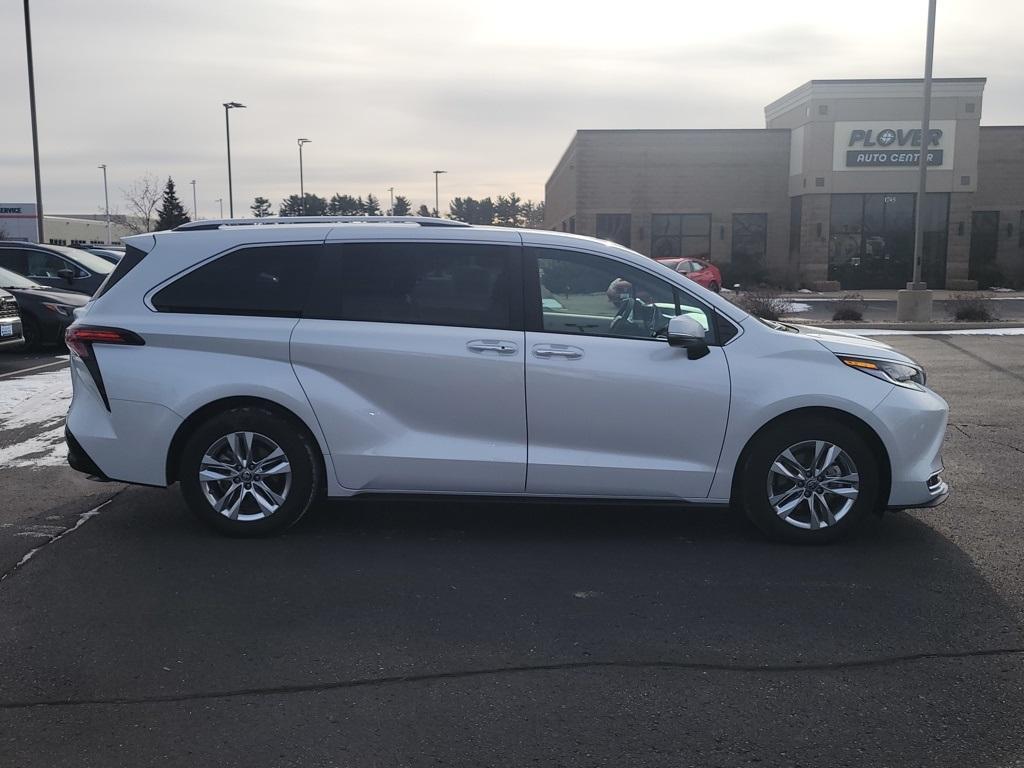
(423, 221)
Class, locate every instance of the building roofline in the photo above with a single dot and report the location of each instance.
(562, 160)
(682, 130)
(802, 93)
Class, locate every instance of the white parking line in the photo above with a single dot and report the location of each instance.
(61, 361)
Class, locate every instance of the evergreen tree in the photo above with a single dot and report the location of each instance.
(508, 211)
(343, 205)
(423, 211)
(315, 206)
(261, 208)
(372, 206)
(172, 212)
(402, 206)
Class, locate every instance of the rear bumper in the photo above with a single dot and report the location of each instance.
(79, 460)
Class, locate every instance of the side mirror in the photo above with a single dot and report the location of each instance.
(684, 331)
(67, 274)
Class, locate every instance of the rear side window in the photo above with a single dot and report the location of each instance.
(130, 260)
(452, 284)
(264, 280)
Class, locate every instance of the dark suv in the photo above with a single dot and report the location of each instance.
(66, 268)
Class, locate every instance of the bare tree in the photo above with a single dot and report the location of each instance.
(142, 198)
(3, 233)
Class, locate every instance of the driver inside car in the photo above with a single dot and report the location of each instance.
(637, 314)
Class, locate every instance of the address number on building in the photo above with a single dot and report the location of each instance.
(858, 158)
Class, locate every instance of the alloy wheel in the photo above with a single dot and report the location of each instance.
(813, 484)
(245, 476)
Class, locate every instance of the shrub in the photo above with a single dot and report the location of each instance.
(971, 308)
(765, 303)
(849, 309)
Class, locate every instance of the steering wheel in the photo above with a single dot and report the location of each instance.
(622, 321)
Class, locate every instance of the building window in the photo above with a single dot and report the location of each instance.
(680, 234)
(871, 239)
(615, 227)
(749, 243)
(796, 210)
(984, 246)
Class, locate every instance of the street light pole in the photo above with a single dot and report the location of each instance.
(106, 199)
(437, 197)
(35, 130)
(302, 184)
(195, 207)
(221, 201)
(391, 209)
(228, 106)
(915, 303)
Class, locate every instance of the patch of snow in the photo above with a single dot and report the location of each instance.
(1001, 290)
(38, 402)
(805, 290)
(797, 306)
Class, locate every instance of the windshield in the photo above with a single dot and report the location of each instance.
(10, 280)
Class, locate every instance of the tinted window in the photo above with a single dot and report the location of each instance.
(132, 256)
(265, 280)
(13, 259)
(586, 294)
(615, 227)
(425, 283)
(680, 234)
(44, 264)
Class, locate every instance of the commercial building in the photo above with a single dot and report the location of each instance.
(824, 195)
(18, 222)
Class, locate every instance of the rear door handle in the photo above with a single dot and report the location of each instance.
(493, 345)
(564, 351)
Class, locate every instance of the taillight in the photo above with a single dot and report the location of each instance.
(80, 339)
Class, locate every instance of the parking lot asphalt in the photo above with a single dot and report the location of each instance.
(443, 632)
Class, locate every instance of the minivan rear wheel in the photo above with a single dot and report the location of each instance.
(249, 472)
(809, 481)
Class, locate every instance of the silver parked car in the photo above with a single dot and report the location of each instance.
(262, 363)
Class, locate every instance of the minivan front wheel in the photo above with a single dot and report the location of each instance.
(809, 481)
(249, 472)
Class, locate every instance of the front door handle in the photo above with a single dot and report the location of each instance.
(564, 351)
(493, 345)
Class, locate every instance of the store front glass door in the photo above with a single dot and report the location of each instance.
(871, 243)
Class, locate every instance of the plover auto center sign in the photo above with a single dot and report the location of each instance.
(891, 144)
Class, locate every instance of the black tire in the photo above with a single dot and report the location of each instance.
(752, 482)
(303, 458)
(714, 287)
(33, 339)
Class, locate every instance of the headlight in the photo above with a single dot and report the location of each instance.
(901, 374)
(61, 309)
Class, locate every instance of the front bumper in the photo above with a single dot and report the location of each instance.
(913, 426)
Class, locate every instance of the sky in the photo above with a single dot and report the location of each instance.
(390, 91)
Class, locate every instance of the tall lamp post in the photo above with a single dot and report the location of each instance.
(391, 210)
(106, 198)
(302, 184)
(35, 130)
(221, 201)
(228, 106)
(437, 196)
(915, 303)
(195, 206)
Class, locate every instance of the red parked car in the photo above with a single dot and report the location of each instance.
(702, 272)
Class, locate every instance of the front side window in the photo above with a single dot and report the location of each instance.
(269, 281)
(43, 264)
(449, 284)
(680, 234)
(586, 294)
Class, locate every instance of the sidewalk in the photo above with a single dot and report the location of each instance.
(890, 295)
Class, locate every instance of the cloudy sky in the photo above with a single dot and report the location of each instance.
(389, 91)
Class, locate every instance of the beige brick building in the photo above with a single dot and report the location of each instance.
(824, 195)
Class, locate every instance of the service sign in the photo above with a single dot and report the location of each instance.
(892, 144)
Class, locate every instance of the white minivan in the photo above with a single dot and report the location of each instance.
(263, 363)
